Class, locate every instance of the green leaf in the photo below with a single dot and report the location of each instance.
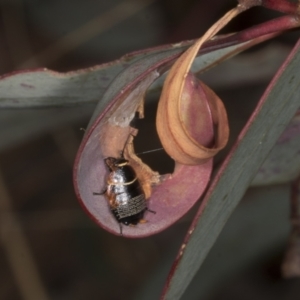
(272, 114)
(46, 88)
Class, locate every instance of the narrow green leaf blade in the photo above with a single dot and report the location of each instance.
(44, 88)
(275, 109)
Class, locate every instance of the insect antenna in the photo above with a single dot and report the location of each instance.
(144, 152)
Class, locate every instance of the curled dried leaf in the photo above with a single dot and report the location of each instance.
(182, 125)
(184, 104)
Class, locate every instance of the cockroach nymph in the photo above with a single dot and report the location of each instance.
(124, 192)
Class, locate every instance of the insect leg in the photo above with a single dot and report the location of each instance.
(101, 193)
(121, 233)
(152, 211)
(142, 221)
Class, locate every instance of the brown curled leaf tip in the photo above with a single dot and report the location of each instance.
(183, 124)
(185, 106)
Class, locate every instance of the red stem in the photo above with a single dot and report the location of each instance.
(275, 25)
(283, 6)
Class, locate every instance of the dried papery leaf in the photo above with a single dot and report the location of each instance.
(106, 136)
(174, 130)
(146, 175)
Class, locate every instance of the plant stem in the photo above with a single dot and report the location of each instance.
(276, 25)
(291, 263)
(282, 6)
(18, 252)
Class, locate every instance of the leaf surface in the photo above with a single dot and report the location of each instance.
(46, 88)
(274, 111)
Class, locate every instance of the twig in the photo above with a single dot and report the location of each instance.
(291, 263)
(16, 32)
(18, 251)
(91, 29)
(283, 6)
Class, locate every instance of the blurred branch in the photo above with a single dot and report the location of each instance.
(16, 33)
(291, 264)
(18, 251)
(86, 32)
(284, 6)
(43, 220)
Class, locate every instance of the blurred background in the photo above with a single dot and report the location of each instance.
(49, 248)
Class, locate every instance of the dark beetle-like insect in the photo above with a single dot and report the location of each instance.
(124, 192)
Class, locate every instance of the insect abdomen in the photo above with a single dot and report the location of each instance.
(133, 207)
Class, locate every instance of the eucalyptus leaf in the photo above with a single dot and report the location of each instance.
(283, 163)
(46, 88)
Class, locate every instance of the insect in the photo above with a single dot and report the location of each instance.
(124, 192)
